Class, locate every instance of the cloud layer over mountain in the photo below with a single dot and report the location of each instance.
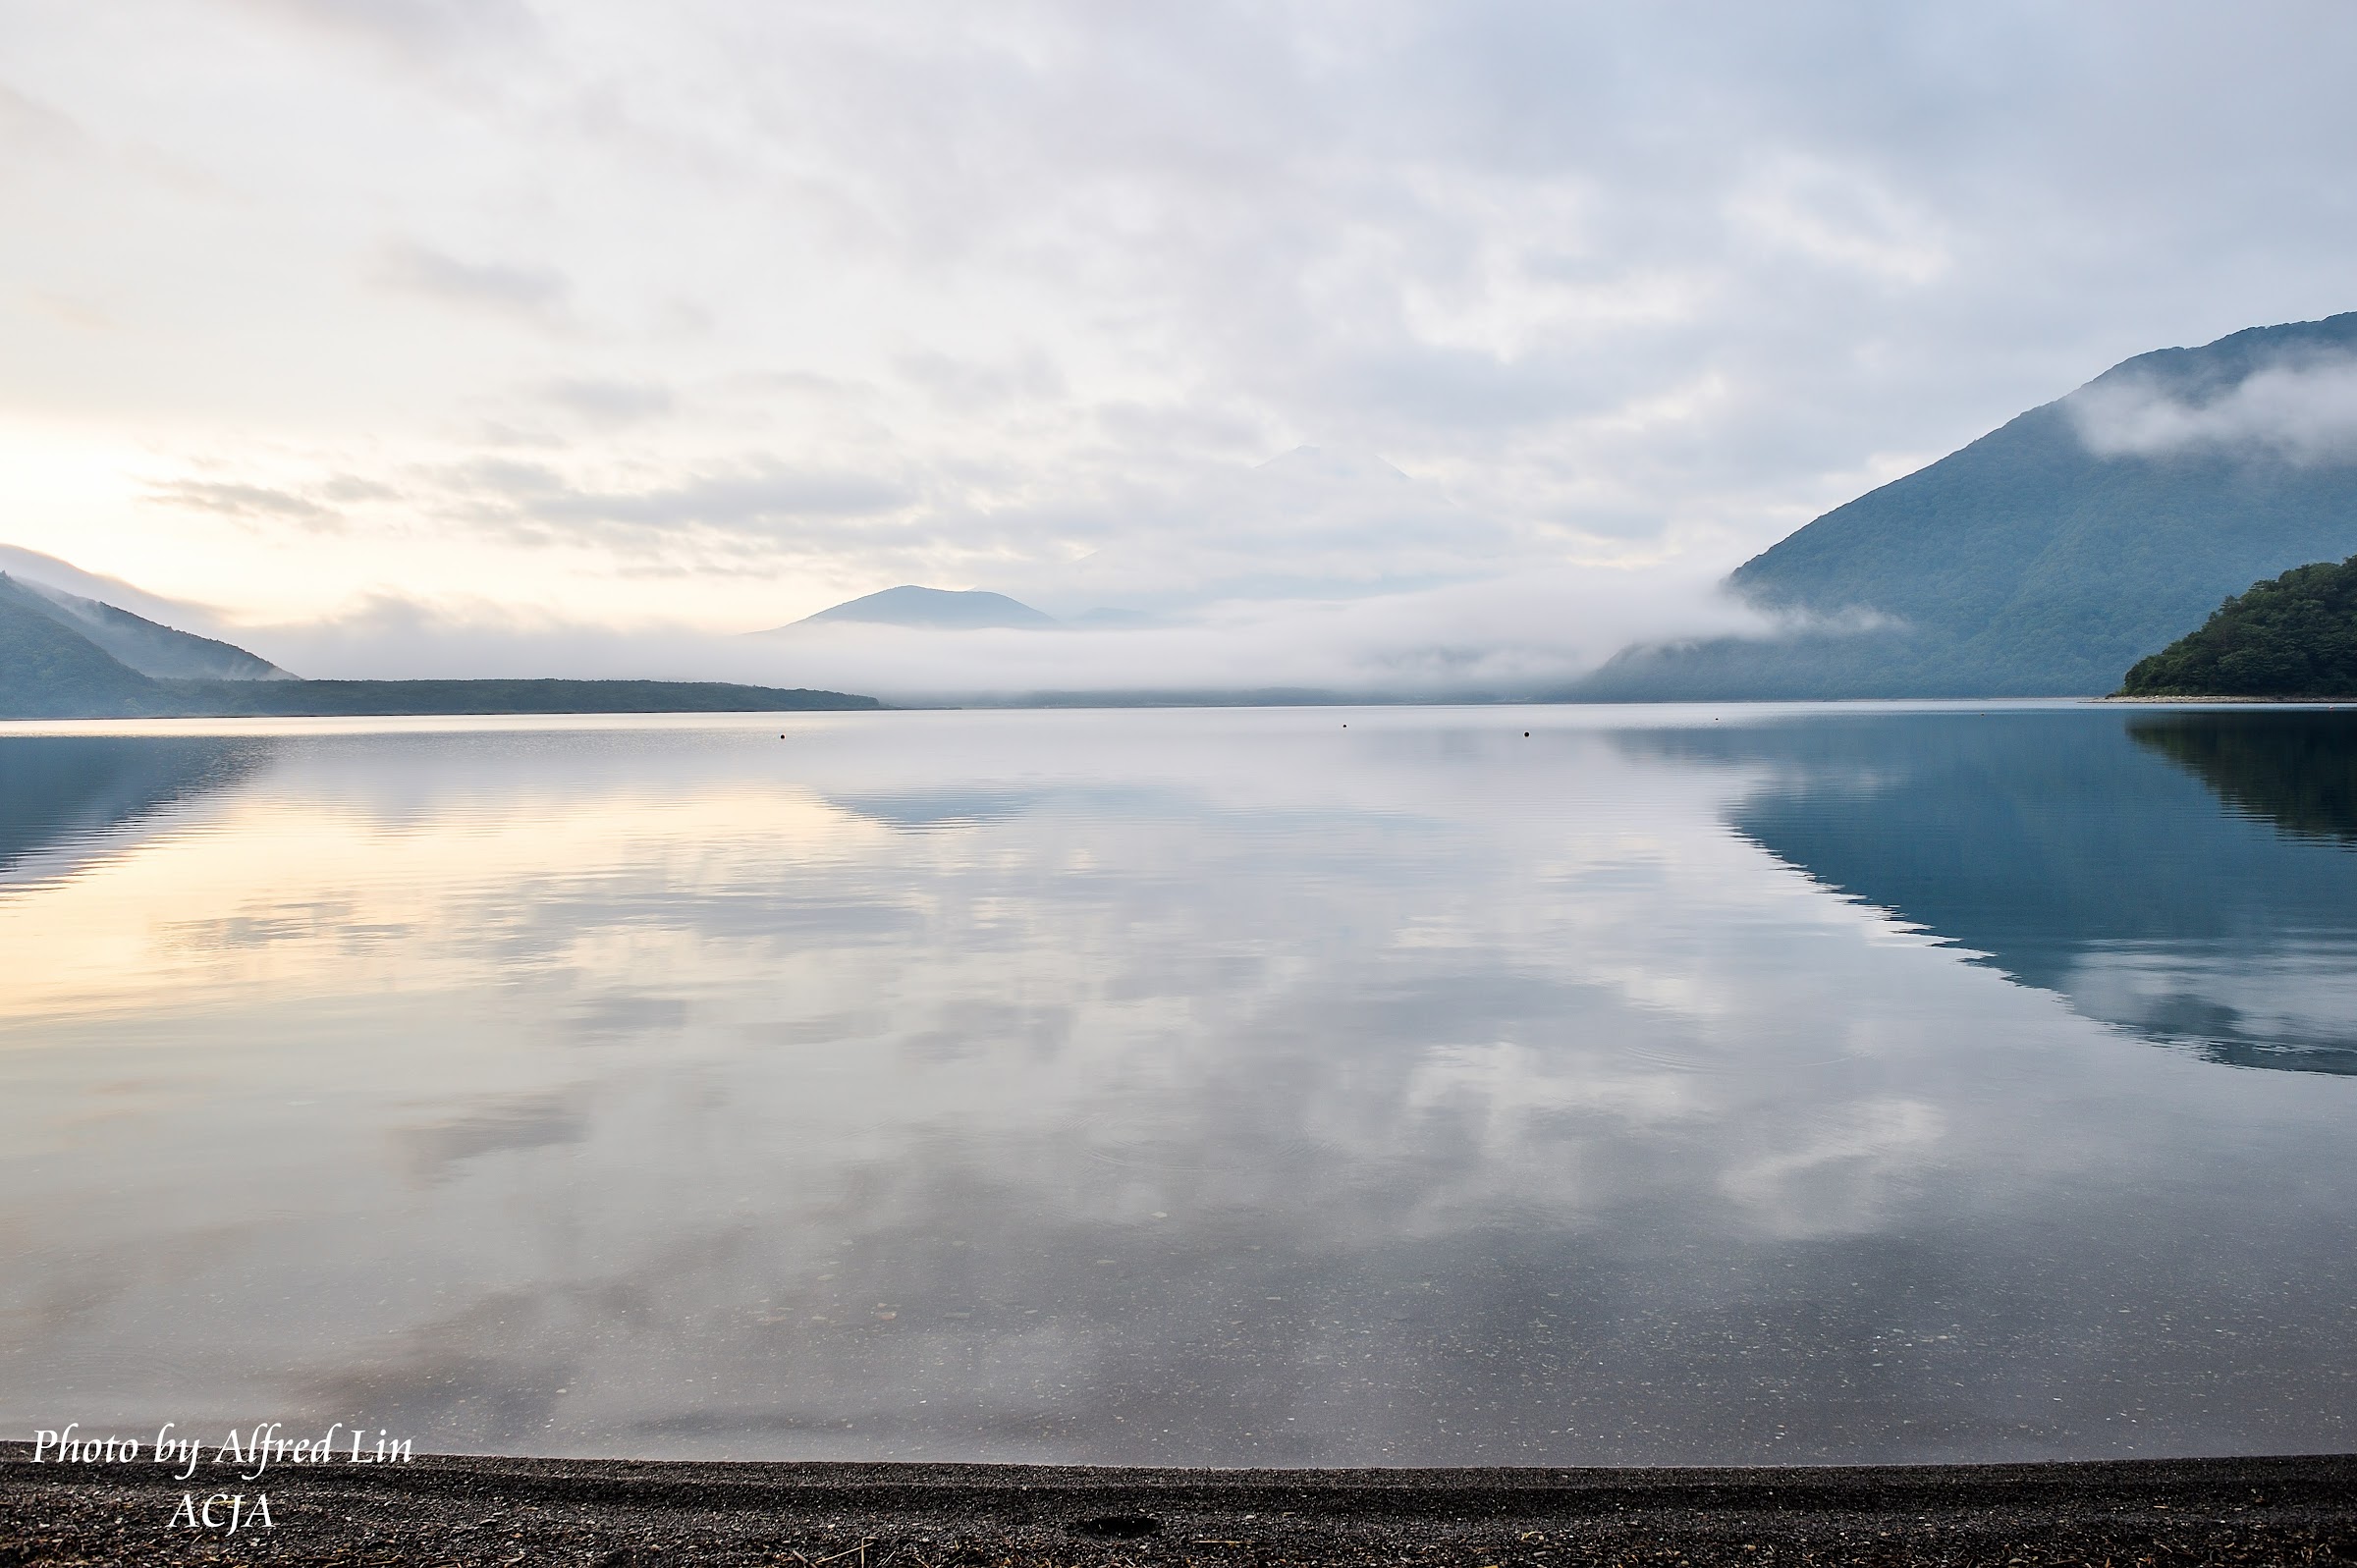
(2302, 410)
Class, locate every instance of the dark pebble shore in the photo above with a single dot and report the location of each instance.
(612, 1512)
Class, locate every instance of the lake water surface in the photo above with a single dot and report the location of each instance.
(1210, 1087)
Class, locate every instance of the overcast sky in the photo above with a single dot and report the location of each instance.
(704, 315)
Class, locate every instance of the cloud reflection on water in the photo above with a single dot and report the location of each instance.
(1235, 1088)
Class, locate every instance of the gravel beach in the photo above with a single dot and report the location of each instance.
(462, 1510)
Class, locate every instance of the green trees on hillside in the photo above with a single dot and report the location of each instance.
(2294, 637)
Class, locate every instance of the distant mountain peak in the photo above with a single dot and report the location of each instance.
(137, 643)
(147, 646)
(941, 609)
(50, 670)
(34, 570)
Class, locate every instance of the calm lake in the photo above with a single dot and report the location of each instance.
(1301, 1086)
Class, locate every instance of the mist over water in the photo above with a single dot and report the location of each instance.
(1520, 636)
(1236, 1086)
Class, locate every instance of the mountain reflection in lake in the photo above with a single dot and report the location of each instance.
(2083, 865)
(62, 796)
(1191, 1087)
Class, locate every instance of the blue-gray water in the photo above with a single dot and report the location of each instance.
(1243, 1087)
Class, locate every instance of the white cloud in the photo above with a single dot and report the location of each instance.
(611, 401)
(1842, 217)
(2303, 410)
(530, 291)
